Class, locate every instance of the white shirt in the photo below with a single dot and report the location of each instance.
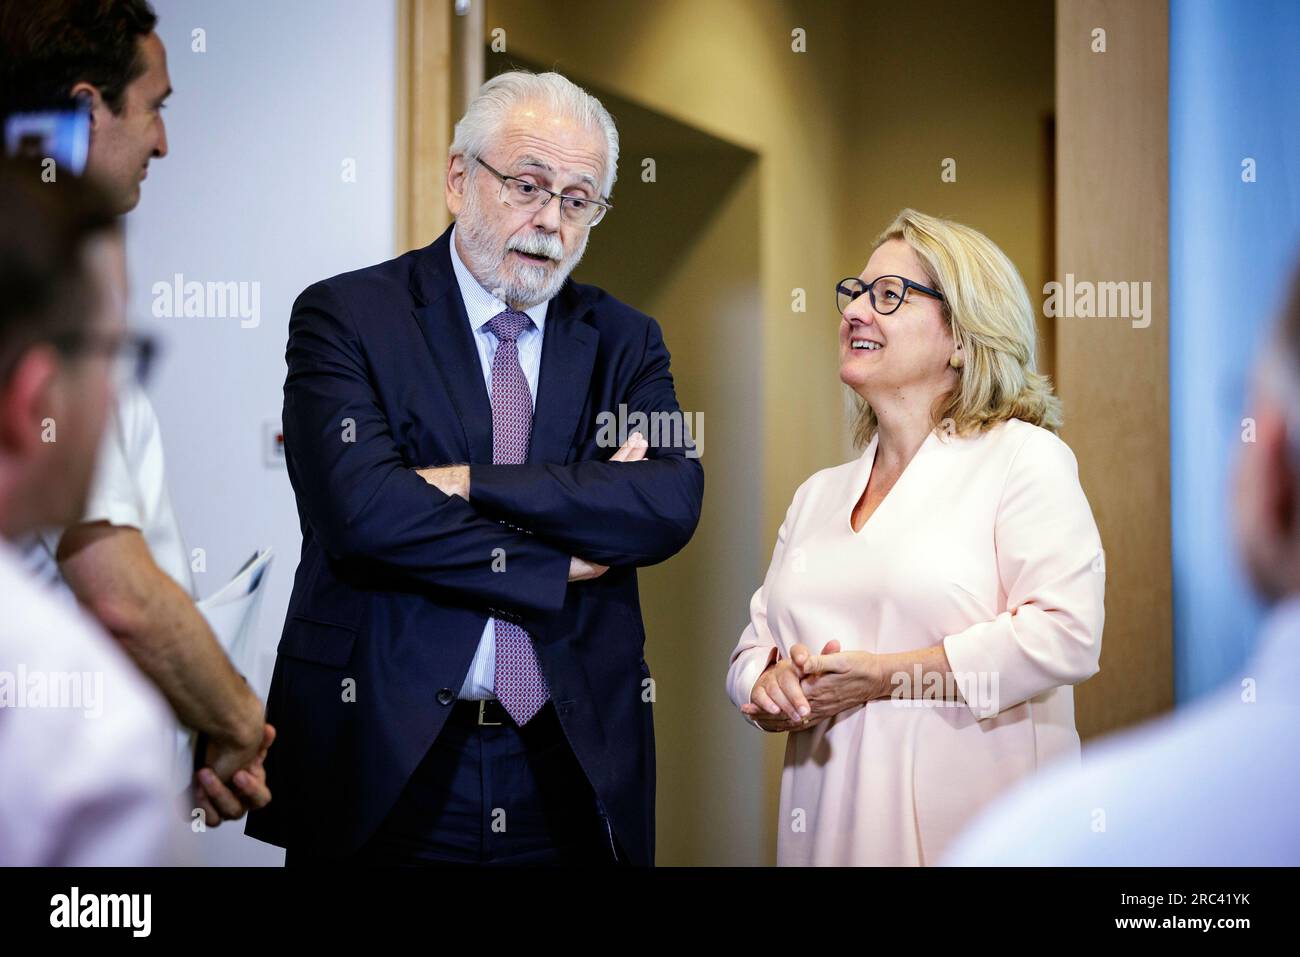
(481, 306)
(1214, 784)
(85, 772)
(130, 490)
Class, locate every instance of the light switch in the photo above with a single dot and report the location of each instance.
(273, 445)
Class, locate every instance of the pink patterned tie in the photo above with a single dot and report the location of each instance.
(520, 685)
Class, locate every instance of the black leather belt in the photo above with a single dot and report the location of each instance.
(480, 712)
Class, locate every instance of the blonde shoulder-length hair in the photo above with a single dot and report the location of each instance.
(987, 306)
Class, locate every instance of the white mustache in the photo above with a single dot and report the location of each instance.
(548, 246)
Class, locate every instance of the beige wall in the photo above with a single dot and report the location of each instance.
(814, 179)
(972, 82)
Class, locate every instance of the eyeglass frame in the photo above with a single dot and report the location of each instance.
(551, 194)
(871, 294)
(139, 348)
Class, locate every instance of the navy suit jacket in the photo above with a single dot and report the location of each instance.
(396, 580)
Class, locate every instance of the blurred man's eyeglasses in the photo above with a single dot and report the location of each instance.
(521, 194)
(132, 353)
(886, 292)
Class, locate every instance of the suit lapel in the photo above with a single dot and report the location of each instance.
(568, 356)
(445, 326)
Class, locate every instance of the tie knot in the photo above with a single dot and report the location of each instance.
(507, 326)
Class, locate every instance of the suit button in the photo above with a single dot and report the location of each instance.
(446, 696)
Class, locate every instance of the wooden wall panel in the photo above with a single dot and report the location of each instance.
(1112, 226)
(424, 120)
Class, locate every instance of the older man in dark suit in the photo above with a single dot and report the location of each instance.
(461, 676)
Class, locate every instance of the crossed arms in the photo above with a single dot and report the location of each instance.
(366, 503)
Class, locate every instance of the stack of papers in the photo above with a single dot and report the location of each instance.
(232, 611)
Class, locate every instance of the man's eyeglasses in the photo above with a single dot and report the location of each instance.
(132, 353)
(886, 292)
(520, 194)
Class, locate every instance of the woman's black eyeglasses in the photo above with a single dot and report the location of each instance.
(886, 292)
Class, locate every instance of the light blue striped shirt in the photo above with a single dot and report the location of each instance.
(480, 307)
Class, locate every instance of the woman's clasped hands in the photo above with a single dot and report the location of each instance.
(799, 692)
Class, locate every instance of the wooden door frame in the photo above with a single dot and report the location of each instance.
(1112, 224)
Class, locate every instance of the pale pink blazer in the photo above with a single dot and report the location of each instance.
(986, 544)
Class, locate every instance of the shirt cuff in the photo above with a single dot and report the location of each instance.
(749, 676)
(965, 659)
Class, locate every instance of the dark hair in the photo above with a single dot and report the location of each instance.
(45, 292)
(48, 46)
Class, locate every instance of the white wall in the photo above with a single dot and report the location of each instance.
(259, 128)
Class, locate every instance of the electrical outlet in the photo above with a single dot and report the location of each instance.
(273, 445)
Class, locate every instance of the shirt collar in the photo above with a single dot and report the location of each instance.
(1277, 649)
(480, 305)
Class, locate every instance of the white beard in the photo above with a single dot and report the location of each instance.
(529, 284)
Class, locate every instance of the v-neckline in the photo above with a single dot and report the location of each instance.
(863, 479)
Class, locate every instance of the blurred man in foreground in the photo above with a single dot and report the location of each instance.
(125, 559)
(83, 760)
(1213, 784)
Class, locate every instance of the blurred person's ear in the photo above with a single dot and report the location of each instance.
(32, 401)
(1266, 507)
(53, 411)
(104, 159)
(87, 96)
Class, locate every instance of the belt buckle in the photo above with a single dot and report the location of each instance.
(482, 710)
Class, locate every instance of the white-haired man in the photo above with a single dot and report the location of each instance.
(461, 676)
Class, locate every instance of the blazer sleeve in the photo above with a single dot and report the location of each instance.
(366, 504)
(612, 513)
(757, 648)
(1052, 569)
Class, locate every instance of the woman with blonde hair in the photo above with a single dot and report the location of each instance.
(929, 606)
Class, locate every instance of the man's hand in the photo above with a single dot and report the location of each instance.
(448, 479)
(218, 802)
(780, 702)
(581, 571)
(227, 753)
(633, 450)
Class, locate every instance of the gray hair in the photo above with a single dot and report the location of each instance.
(488, 109)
